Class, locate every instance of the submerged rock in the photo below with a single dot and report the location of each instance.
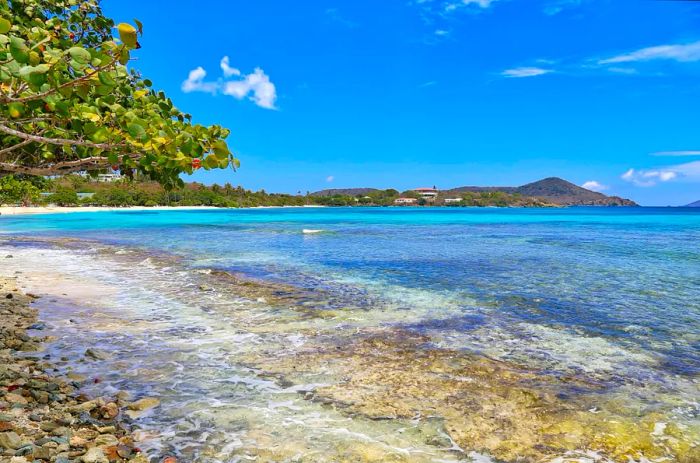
(97, 354)
(489, 406)
(144, 404)
(138, 408)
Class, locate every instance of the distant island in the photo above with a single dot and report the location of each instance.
(550, 191)
(695, 204)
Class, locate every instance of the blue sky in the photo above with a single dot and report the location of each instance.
(406, 93)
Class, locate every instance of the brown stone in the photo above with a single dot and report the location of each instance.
(109, 411)
(15, 399)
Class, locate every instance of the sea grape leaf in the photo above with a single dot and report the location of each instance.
(19, 50)
(5, 26)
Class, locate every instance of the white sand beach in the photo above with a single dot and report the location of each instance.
(18, 210)
(12, 210)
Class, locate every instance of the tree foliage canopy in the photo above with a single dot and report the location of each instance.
(69, 103)
(20, 191)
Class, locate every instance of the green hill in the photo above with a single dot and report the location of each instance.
(555, 191)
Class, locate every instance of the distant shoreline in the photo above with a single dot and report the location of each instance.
(37, 210)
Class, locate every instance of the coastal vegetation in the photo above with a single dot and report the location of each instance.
(77, 190)
(69, 103)
(22, 191)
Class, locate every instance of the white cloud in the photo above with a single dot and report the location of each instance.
(441, 8)
(439, 15)
(647, 178)
(623, 70)
(628, 175)
(664, 176)
(330, 178)
(525, 72)
(557, 7)
(677, 153)
(228, 70)
(680, 52)
(195, 82)
(595, 186)
(257, 85)
(480, 3)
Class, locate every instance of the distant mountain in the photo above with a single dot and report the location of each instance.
(556, 191)
(551, 190)
(695, 204)
(562, 192)
(344, 191)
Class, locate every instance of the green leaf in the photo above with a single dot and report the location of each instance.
(124, 57)
(80, 55)
(19, 50)
(77, 65)
(34, 74)
(5, 26)
(101, 135)
(63, 108)
(210, 162)
(137, 131)
(221, 150)
(16, 110)
(83, 91)
(66, 92)
(107, 79)
(103, 90)
(139, 26)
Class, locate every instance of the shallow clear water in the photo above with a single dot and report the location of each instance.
(610, 295)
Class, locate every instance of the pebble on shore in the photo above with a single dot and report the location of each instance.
(44, 417)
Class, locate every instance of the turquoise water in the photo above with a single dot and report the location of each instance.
(606, 293)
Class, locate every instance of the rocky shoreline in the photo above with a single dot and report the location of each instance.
(44, 415)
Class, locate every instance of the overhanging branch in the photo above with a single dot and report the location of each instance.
(57, 141)
(61, 168)
(14, 147)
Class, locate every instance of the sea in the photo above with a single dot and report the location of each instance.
(380, 334)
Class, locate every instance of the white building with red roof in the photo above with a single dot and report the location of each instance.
(427, 193)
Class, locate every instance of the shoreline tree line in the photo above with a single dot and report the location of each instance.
(81, 190)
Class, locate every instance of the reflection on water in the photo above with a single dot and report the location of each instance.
(573, 337)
